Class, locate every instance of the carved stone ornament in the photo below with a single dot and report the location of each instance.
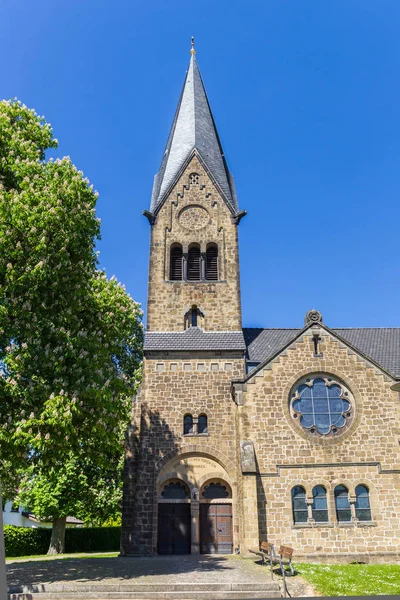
(194, 217)
(195, 494)
(247, 457)
(313, 316)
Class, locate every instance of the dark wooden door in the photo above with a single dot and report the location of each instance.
(216, 529)
(173, 528)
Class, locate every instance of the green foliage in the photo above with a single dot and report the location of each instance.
(26, 541)
(352, 580)
(70, 339)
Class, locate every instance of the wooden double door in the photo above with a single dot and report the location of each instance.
(216, 529)
(174, 528)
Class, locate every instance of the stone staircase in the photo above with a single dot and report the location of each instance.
(137, 591)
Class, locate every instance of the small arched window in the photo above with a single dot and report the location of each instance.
(194, 313)
(299, 504)
(202, 424)
(193, 263)
(363, 507)
(320, 505)
(187, 424)
(212, 262)
(343, 511)
(194, 178)
(176, 263)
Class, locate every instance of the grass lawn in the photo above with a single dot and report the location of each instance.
(61, 556)
(352, 580)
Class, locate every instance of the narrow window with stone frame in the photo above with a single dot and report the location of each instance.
(202, 424)
(176, 263)
(194, 263)
(342, 504)
(212, 262)
(187, 424)
(299, 505)
(362, 504)
(320, 505)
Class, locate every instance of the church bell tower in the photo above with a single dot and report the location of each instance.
(184, 421)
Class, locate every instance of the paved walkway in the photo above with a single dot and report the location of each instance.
(143, 570)
(156, 570)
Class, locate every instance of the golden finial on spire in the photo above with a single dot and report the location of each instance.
(192, 51)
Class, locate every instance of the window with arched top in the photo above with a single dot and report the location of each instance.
(187, 424)
(363, 507)
(320, 504)
(193, 263)
(212, 262)
(176, 263)
(175, 490)
(216, 489)
(194, 178)
(202, 424)
(194, 316)
(299, 504)
(342, 504)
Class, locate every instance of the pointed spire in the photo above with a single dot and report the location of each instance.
(193, 131)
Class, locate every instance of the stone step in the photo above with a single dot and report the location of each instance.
(199, 591)
(166, 595)
(144, 587)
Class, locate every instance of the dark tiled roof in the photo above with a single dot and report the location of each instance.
(194, 338)
(382, 345)
(193, 128)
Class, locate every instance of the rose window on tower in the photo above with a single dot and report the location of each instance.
(321, 405)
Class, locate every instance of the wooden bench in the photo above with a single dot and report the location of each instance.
(284, 559)
(268, 554)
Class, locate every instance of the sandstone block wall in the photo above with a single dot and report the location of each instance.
(366, 453)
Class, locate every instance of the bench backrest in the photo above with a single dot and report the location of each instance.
(266, 547)
(285, 551)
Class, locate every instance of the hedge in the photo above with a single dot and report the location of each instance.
(26, 541)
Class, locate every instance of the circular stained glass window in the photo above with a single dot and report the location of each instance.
(321, 405)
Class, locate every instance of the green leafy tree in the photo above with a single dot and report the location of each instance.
(70, 339)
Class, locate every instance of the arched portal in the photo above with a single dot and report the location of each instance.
(207, 496)
(174, 526)
(216, 530)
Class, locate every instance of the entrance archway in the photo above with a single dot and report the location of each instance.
(174, 527)
(209, 490)
(216, 531)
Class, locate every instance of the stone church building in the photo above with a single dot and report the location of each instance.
(245, 434)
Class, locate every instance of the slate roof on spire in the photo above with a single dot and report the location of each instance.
(193, 131)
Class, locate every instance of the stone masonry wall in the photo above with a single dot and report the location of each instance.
(194, 213)
(172, 387)
(368, 452)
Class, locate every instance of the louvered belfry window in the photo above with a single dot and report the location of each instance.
(193, 265)
(176, 272)
(212, 262)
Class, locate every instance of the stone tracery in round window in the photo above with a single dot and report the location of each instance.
(321, 405)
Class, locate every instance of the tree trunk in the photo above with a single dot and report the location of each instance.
(3, 578)
(57, 542)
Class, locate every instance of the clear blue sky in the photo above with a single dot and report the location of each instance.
(306, 97)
